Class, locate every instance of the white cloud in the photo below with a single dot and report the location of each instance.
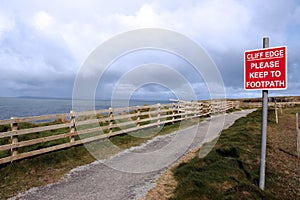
(145, 17)
(43, 21)
(6, 23)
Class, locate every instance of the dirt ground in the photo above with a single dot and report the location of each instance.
(282, 154)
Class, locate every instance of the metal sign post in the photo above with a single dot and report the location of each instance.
(264, 130)
(265, 69)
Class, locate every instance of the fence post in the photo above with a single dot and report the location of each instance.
(72, 127)
(298, 136)
(186, 107)
(211, 109)
(110, 125)
(138, 117)
(173, 112)
(200, 109)
(14, 138)
(276, 113)
(195, 109)
(158, 115)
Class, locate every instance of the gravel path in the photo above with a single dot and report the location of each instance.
(131, 173)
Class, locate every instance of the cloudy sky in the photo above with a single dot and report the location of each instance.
(43, 44)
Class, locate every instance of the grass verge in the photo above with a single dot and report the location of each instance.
(231, 169)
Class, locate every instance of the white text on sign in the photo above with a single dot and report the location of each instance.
(265, 68)
(267, 54)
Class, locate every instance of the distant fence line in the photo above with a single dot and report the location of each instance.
(21, 138)
(272, 104)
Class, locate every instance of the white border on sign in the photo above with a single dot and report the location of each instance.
(286, 72)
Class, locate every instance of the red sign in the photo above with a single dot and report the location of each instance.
(266, 69)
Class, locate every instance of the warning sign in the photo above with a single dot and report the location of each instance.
(266, 69)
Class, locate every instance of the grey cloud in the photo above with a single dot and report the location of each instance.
(33, 62)
(131, 61)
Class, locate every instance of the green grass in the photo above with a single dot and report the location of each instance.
(231, 169)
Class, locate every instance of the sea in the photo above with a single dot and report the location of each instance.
(25, 106)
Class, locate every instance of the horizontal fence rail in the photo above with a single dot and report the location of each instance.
(24, 137)
(272, 104)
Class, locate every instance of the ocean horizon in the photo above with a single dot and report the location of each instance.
(35, 106)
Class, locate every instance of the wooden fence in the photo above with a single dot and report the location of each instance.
(24, 137)
(272, 104)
